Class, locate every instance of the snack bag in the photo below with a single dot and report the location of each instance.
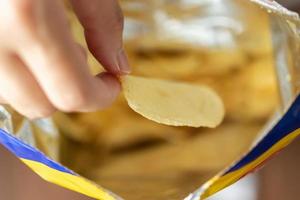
(189, 72)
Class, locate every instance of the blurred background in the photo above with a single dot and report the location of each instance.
(164, 40)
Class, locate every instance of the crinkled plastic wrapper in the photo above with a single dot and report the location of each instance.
(36, 143)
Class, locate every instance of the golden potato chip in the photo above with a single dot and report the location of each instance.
(173, 103)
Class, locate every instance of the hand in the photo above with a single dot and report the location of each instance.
(42, 69)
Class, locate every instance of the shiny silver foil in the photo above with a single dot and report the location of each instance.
(43, 134)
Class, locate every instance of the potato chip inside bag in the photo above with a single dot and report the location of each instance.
(169, 132)
(173, 103)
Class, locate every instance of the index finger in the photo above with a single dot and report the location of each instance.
(103, 24)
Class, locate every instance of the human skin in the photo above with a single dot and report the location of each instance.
(42, 68)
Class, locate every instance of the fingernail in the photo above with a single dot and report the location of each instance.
(123, 62)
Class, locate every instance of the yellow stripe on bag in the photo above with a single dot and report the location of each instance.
(69, 181)
(218, 183)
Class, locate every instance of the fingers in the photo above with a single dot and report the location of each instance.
(50, 71)
(19, 88)
(61, 68)
(103, 24)
(82, 51)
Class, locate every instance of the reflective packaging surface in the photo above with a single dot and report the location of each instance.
(243, 50)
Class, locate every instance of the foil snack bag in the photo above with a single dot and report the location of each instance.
(199, 42)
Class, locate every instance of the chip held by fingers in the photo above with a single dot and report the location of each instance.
(173, 103)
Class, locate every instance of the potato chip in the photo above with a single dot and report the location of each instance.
(173, 103)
